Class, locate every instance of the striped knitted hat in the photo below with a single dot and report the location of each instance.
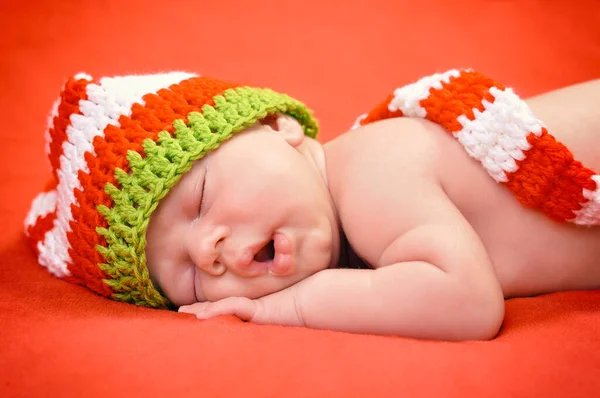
(116, 147)
(499, 130)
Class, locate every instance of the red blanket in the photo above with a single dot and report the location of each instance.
(340, 58)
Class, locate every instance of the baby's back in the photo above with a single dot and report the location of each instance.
(531, 254)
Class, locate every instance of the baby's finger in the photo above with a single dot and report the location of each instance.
(193, 308)
(241, 307)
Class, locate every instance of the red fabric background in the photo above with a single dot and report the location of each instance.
(341, 58)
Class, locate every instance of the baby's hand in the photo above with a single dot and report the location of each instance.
(277, 309)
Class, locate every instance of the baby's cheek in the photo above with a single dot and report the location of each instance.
(179, 285)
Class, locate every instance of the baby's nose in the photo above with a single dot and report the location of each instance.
(205, 250)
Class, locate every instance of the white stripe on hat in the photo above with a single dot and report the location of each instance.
(106, 102)
(50, 123)
(43, 204)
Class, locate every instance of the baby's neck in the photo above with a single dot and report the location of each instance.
(347, 257)
(315, 153)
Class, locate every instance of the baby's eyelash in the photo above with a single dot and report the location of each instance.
(202, 194)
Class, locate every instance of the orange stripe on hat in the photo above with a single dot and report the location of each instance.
(146, 121)
(73, 92)
(36, 231)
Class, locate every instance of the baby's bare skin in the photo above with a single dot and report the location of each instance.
(530, 253)
(446, 242)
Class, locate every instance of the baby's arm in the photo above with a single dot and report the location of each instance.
(434, 281)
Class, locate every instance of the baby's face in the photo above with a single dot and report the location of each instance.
(249, 219)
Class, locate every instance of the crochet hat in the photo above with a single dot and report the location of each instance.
(498, 129)
(116, 147)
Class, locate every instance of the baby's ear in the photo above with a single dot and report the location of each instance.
(287, 127)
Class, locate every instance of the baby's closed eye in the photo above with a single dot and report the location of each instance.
(202, 192)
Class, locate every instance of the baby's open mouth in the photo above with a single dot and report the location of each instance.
(267, 253)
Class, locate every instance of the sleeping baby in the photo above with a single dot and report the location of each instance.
(183, 192)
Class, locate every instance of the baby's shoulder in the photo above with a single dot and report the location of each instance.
(391, 147)
(379, 175)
